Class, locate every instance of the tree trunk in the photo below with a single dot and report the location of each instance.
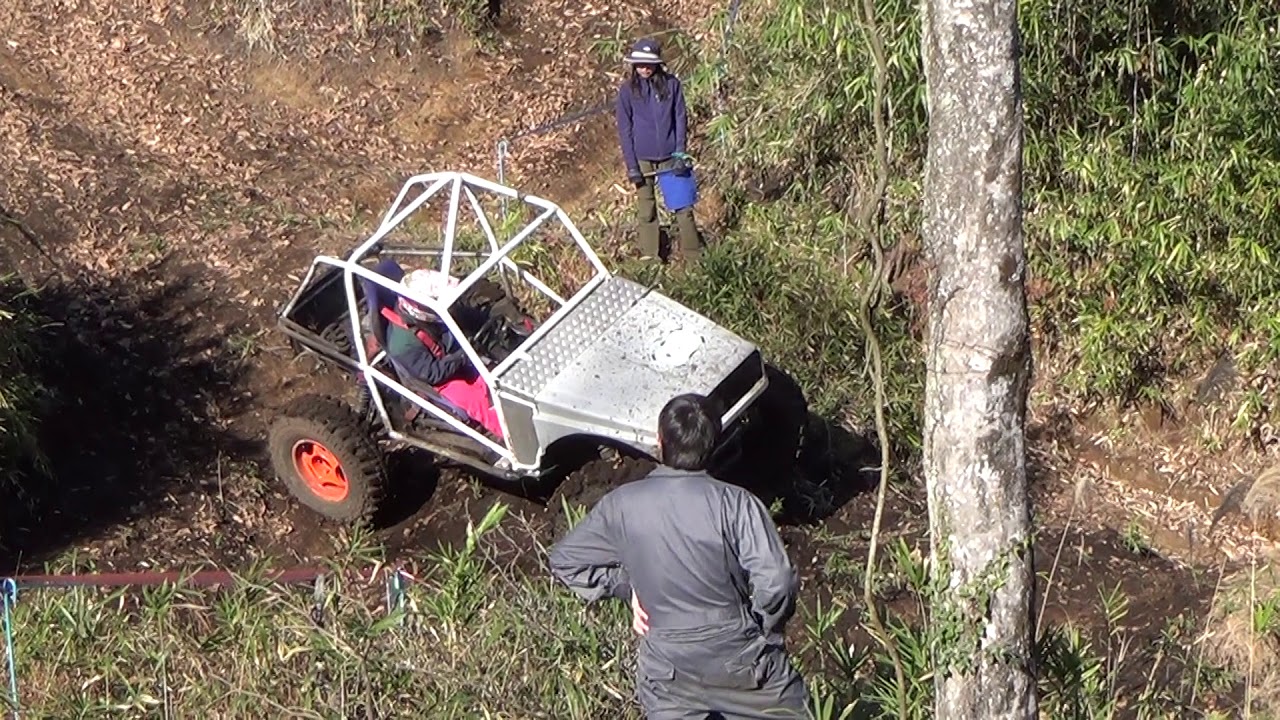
(979, 362)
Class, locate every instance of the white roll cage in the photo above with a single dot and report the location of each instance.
(460, 184)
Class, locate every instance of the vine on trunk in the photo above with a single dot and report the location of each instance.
(871, 229)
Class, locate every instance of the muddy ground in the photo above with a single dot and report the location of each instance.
(171, 184)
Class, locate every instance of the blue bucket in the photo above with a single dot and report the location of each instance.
(679, 189)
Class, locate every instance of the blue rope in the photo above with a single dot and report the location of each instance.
(9, 598)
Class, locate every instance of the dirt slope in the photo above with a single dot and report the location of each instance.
(173, 183)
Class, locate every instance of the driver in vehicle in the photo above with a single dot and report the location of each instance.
(421, 346)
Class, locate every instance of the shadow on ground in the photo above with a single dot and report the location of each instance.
(413, 479)
(134, 379)
(834, 467)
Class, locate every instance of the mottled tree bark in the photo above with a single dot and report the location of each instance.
(979, 361)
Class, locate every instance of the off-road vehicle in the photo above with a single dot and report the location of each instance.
(598, 361)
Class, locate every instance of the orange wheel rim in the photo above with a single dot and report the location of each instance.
(320, 470)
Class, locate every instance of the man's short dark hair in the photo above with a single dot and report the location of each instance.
(689, 432)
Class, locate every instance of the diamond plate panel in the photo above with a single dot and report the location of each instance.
(657, 350)
(572, 335)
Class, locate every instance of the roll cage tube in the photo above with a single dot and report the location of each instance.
(461, 185)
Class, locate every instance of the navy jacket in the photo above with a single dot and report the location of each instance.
(413, 357)
(650, 128)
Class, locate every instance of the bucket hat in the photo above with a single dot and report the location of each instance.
(645, 52)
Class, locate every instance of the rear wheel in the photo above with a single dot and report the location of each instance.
(328, 459)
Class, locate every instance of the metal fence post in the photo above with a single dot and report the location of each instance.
(503, 146)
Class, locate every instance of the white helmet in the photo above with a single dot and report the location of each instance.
(431, 283)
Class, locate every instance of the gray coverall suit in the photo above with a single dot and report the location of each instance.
(706, 563)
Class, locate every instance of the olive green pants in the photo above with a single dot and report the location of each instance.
(647, 217)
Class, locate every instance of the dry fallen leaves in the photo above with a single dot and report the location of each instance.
(138, 138)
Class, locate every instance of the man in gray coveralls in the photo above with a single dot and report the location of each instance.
(708, 577)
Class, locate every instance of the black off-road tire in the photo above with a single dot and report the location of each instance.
(364, 403)
(315, 431)
(339, 333)
(771, 441)
(803, 438)
(779, 421)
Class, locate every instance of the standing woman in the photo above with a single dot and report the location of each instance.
(652, 129)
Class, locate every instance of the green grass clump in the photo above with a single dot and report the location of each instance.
(803, 312)
(1153, 180)
(476, 636)
(1150, 183)
(19, 391)
(473, 637)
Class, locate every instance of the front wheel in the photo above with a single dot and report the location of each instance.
(328, 459)
(779, 421)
